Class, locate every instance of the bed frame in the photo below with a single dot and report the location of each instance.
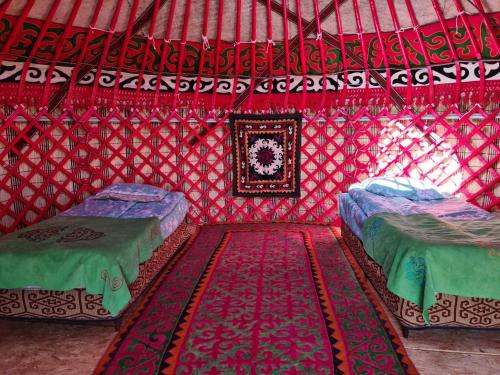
(77, 304)
(449, 310)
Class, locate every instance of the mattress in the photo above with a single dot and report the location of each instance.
(100, 254)
(449, 310)
(171, 210)
(352, 214)
(169, 223)
(130, 203)
(77, 304)
(423, 255)
(357, 205)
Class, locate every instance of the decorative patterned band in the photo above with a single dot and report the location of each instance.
(433, 39)
(444, 74)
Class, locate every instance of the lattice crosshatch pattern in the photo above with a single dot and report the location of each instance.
(76, 154)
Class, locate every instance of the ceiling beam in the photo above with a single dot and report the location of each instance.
(293, 45)
(115, 45)
(335, 42)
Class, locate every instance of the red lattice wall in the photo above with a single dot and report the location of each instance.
(76, 154)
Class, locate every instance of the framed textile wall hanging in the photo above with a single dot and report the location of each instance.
(266, 155)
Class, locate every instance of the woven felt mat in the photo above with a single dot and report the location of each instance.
(258, 298)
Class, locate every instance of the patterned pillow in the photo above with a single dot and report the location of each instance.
(132, 192)
(98, 207)
(160, 210)
(405, 187)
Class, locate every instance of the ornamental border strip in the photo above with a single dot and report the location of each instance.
(11, 71)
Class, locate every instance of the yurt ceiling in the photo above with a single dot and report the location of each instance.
(424, 10)
(240, 47)
(249, 45)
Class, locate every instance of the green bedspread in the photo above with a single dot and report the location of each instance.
(101, 255)
(422, 256)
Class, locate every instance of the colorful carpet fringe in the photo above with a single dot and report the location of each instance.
(258, 299)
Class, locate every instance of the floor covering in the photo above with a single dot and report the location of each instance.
(259, 299)
(48, 348)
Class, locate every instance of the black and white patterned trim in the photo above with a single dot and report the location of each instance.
(37, 73)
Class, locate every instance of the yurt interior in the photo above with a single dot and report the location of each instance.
(249, 187)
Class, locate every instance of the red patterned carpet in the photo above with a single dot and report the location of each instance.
(270, 298)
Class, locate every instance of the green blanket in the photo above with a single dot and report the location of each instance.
(422, 256)
(101, 255)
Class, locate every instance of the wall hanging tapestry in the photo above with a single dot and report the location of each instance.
(266, 155)
(258, 298)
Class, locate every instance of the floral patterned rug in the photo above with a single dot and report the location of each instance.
(258, 298)
(266, 155)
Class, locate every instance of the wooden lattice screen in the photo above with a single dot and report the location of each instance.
(84, 106)
(75, 155)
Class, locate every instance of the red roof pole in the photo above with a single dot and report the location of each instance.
(204, 48)
(343, 52)
(254, 42)
(4, 8)
(384, 53)
(319, 38)
(165, 44)
(477, 51)
(217, 51)
(149, 42)
(446, 32)
(425, 53)
(487, 23)
(287, 55)
(83, 52)
(187, 13)
(398, 30)
(270, 44)
(35, 47)
(302, 57)
(236, 54)
(128, 33)
(363, 52)
(17, 27)
(57, 53)
(105, 51)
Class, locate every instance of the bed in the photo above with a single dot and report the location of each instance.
(106, 250)
(433, 258)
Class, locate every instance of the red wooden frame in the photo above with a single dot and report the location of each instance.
(53, 156)
(77, 154)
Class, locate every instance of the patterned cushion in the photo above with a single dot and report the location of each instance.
(99, 207)
(132, 192)
(409, 188)
(160, 209)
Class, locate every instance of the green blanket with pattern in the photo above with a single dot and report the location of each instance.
(101, 255)
(422, 255)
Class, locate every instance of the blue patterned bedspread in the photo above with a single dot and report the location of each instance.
(100, 207)
(357, 205)
(170, 210)
(351, 214)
